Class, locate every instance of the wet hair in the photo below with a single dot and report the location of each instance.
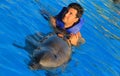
(78, 7)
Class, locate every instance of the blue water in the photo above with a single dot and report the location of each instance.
(99, 56)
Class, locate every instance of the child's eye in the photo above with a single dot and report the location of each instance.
(70, 13)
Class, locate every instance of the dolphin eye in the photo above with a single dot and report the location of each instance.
(55, 56)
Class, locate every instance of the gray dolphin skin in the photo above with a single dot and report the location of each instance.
(116, 1)
(51, 53)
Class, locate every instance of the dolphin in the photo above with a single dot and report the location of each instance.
(52, 52)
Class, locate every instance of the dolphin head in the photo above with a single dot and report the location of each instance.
(44, 58)
(51, 53)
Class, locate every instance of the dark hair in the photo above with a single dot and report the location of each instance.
(78, 7)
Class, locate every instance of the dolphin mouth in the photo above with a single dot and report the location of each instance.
(34, 66)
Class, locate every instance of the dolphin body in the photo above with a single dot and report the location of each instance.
(52, 52)
(116, 1)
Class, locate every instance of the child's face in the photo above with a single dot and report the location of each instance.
(70, 16)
